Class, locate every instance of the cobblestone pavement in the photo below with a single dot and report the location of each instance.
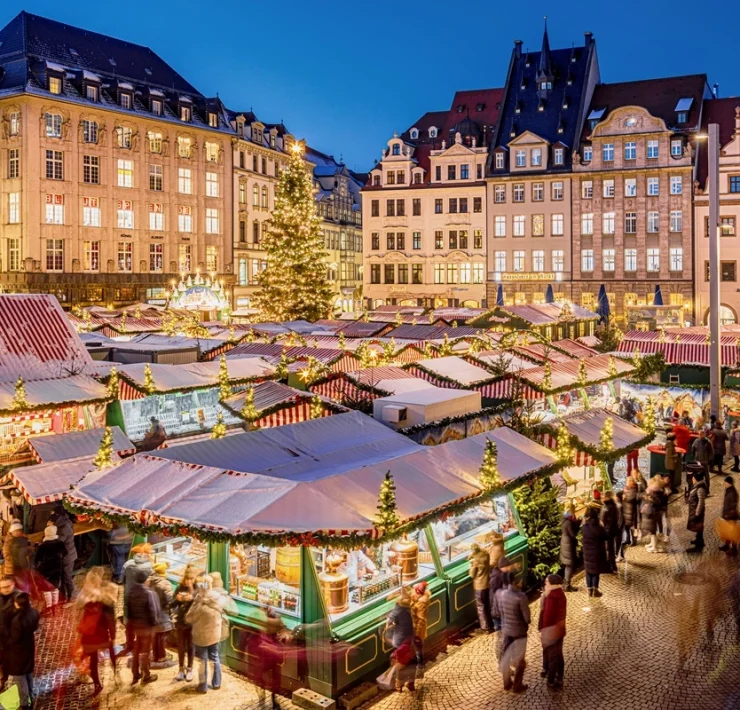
(662, 637)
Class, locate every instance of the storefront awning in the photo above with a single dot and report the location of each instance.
(48, 482)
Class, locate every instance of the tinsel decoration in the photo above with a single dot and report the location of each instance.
(582, 373)
(224, 386)
(19, 396)
(249, 412)
(606, 437)
(104, 457)
(219, 428)
(112, 385)
(316, 410)
(387, 516)
(547, 377)
(489, 476)
(293, 286)
(564, 452)
(648, 419)
(149, 386)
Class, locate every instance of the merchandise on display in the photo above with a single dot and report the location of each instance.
(179, 553)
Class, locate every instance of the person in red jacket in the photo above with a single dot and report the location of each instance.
(683, 436)
(553, 610)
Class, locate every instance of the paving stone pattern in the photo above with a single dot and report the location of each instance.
(662, 637)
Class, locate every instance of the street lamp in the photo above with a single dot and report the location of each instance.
(715, 364)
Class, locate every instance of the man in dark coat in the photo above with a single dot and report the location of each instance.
(729, 510)
(703, 454)
(695, 524)
(66, 533)
(553, 611)
(594, 551)
(142, 618)
(20, 553)
(568, 546)
(609, 517)
(719, 439)
(8, 593)
(21, 648)
(630, 502)
(515, 618)
(498, 579)
(49, 562)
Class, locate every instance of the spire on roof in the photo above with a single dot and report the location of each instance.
(544, 69)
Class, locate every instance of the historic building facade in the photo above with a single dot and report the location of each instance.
(425, 209)
(726, 113)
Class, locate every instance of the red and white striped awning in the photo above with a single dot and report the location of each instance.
(298, 412)
(581, 458)
(681, 353)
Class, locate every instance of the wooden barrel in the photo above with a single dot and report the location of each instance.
(288, 565)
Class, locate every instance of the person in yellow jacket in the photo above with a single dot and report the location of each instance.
(480, 570)
(420, 597)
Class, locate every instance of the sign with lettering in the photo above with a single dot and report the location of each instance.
(125, 205)
(529, 276)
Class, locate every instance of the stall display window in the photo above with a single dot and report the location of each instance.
(267, 577)
(178, 553)
(350, 580)
(479, 525)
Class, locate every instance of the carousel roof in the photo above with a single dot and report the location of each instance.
(76, 444)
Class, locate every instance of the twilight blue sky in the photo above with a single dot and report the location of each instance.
(346, 75)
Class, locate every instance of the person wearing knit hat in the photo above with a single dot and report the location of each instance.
(19, 549)
(16, 526)
(551, 625)
(49, 562)
(161, 586)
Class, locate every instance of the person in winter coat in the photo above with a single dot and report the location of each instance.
(7, 557)
(21, 649)
(729, 510)
(8, 593)
(49, 562)
(19, 551)
(621, 537)
(420, 597)
(735, 446)
(161, 586)
(568, 547)
(141, 561)
(97, 628)
(719, 443)
(400, 624)
(609, 517)
(515, 625)
(657, 490)
(498, 579)
(673, 463)
(703, 453)
(119, 548)
(181, 604)
(551, 625)
(204, 616)
(629, 510)
(594, 551)
(66, 533)
(480, 571)
(649, 518)
(142, 614)
(695, 523)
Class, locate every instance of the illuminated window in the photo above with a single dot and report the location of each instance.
(184, 147)
(91, 256)
(184, 181)
(125, 172)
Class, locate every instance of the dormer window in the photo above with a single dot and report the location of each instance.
(257, 135)
(91, 93)
(186, 113)
(521, 159)
(536, 157)
(396, 149)
(460, 108)
(212, 119)
(273, 140)
(479, 107)
(499, 161)
(240, 127)
(432, 132)
(682, 110)
(376, 180)
(55, 85)
(156, 107)
(414, 133)
(417, 178)
(545, 85)
(559, 157)
(682, 117)
(126, 101)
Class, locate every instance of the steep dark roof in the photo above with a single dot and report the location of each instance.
(479, 106)
(721, 111)
(429, 119)
(569, 69)
(658, 96)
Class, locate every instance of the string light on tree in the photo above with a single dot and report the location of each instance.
(387, 516)
(648, 419)
(606, 437)
(104, 457)
(582, 373)
(219, 428)
(249, 412)
(564, 451)
(281, 370)
(445, 350)
(612, 369)
(149, 386)
(547, 377)
(489, 477)
(112, 385)
(342, 342)
(20, 402)
(224, 385)
(316, 410)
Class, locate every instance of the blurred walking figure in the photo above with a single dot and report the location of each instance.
(140, 562)
(161, 586)
(66, 533)
(735, 446)
(182, 602)
(553, 612)
(420, 597)
(400, 629)
(695, 524)
(49, 562)
(729, 511)
(498, 579)
(142, 613)
(594, 551)
(609, 517)
(97, 627)
(719, 442)
(659, 493)
(620, 517)
(119, 548)
(703, 454)
(21, 647)
(632, 461)
(8, 593)
(19, 554)
(629, 511)
(649, 518)
(673, 462)
(204, 616)
(266, 656)
(569, 546)
(515, 617)
(480, 571)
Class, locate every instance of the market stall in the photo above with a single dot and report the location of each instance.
(270, 511)
(78, 444)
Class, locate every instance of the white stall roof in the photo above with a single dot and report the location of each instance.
(75, 444)
(78, 389)
(427, 396)
(49, 481)
(587, 427)
(456, 369)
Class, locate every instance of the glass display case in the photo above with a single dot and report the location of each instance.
(179, 552)
(350, 580)
(267, 577)
(479, 525)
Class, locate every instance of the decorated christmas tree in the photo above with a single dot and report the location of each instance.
(445, 350)
(104, 457)
(564, 451)
(112, 385)
(428, 352)
(489, 477)
(312, 371)
(342, 342)
(606, 437)
(224, 386)
(317, 407)
(281, 370)
(19, 396)
(387, 517)
(249, 412)
(648, 419)
(398, 320)
(219, 428)
(582, 373)
(612, 369)
(294, 284)
(149, 386)
(547, 377)
(123, 322)
(389, 350)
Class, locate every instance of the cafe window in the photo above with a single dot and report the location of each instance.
(179, 552)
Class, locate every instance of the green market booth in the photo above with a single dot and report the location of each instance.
(287, 516)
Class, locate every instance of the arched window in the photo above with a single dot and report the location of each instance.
(183, 147)
(726, 316)
(396, 150)
(432, 132)
(414, 133)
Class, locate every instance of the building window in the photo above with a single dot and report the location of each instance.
(478, 239)
(726, 226)
(735, 183)
(557, 191)
(652, 149)
(727, 269)
(518, 192)
(183, 258)
(588, 153)
(499, 226)
(607, 154)
(439, 239)
(390, 208)
(55, 255)
(156, 218)
(403, 273)
(184, 181)
(90, 131)
(389, 273)
(538, 260)
(521, 159)
(54, 212)
(587, 260)
(630, 150)
(653, 259)
(156, 107)
(242, 230)
(125, 215)
(186, 113)
(519, 260)
(184, 147)
(630, 187)
(91, 256)
(653, 186)
(499, 161)
(559, 156)
(14, 208)
(519, 221)
(184, 219)
(630, 259)
(212, 153)
(452, 240)
(465, 273)
(55, 85)
(608, 188)
(452, 205)
(90, 212)
(538, 191)
(439, 273)
(557, 225)
(463, 205)
(558, 260)
(676, 185)
(123, 137)
(499, 261)
(400, 204)
(211, 185)
(155, 142)
(478, 273)
(256, 232)
(14, 123)
(417, 273)
(630, 222)
(465, 171)
(587, 223)
(608, 223)
(54, 165)
(53, 125)
(451, 172)
(676, 221)
(156, 257)
(14, 163)
(156, 180)
(653, 222)
(676, 259)
(587, 189)
(416, 207)
(417, 178)
(390, 241)
(538, 225)
(212, 259)
(438, 206)
(609, 258)
(375, 241)
(211, 220)
(416, 240)
(451, 273)
(437, 173)
(125, 172)
(375, 273)
(463, 235)
(375, 208)
(499, 193)
(536, 157)
(676, 147)
(125, 101)
(14, 254)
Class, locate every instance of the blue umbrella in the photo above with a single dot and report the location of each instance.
(549, 295)
(602, 305)
(658, 297)
(500, 296)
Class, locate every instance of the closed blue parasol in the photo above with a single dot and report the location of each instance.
(602, 305)
(658, 297)
(500, 296)
(549, 295)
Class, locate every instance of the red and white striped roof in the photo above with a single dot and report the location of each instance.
(681, 353)
(76, 444)
(566, 374)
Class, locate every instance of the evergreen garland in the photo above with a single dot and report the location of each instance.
(489, 476)
(485, 412)
(387, 517)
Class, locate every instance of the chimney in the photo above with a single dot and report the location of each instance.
(518, 48)
(589, 38)
(715, 90)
